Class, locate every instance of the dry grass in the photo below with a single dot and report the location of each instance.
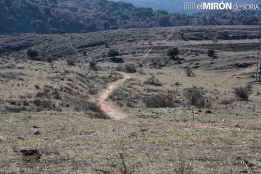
(72, 142)
(171, 136)
(40, 86)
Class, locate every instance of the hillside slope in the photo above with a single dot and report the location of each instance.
(174, 6)
(167, 5)
(76, 16)
(72, 16)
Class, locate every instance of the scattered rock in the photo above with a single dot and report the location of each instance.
(35, 130)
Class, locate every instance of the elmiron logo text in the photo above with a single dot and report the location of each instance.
(219, 6)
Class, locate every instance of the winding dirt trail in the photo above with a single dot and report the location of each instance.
(112, 110)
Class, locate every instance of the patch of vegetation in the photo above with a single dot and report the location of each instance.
(243, 92)
(113, 53)
(33, 55)
(93, 65)
(128, 68)
(71, 62)
(153, 80)
(117, 60)
(161, 100)
(197, 97)
(212, 54)
(190, 72)
(173, 53)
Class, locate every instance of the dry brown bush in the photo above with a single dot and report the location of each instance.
(243, 92)
(153, 80)
(161, 100)
(196, 97)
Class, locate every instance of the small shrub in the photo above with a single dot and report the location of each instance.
(33, 54)
(212, 53)
(30, 155)
(243, 93)
(178, 84)
(227, 101)
(71, 62)
(37, 87)
(43, 105)
(196, 97)
(114, 76)
(117, 60)
(130, 68)
(113, 53)
(93, 65)
(153, 80)
(161, 100)
(190, 72)
(173, 53)
(93, 90)
(49, 59)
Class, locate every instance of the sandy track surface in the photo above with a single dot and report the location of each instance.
(112, 110)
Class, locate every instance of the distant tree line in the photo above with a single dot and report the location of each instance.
(58, 16)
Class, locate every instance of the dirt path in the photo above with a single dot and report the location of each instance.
(111, 109)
